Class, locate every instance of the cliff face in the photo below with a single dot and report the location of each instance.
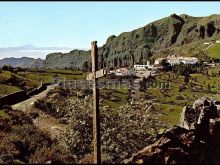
(74, 59)
(196, 140)
(176, 34)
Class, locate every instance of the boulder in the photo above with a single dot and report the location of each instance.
(185, 144)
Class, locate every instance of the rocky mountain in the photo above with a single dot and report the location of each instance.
(176, 34)
(24, 62)
(195, 140)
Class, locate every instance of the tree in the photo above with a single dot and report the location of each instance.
(186, 79)
(7, 68)
(195, 79)
(166, 65)
(143, 84)
(209, 87)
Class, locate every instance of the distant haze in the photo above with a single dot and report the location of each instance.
(31, 51)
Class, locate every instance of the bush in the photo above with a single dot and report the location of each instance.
(122, 133)
(22, 142)
(7, 68)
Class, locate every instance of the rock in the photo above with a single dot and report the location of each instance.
(34, 115)
(48, 162)
(114, 99)
(63, 120)
(7, 158)
(188, 118)
(184, 144)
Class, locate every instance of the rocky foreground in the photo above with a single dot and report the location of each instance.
(195, 140)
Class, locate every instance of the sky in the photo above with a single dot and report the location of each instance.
(76, 24)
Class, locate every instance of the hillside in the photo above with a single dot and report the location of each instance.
(23, 143)
(176, 34)
(24, 62)
(194, 141)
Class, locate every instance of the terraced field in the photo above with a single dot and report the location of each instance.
(10, 82)
(50, 74)
(7, 89)
(214, 51)
(171, 101)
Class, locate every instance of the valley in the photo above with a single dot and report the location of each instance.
(160, 88)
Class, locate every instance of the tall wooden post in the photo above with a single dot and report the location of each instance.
(96, 118)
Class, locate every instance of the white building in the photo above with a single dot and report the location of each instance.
(158, 61)
(122, 72)
(177, 60)
(174, 61)
(140, 67)
(143, 67)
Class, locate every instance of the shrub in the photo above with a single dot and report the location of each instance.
(122, 133)
(22, 142)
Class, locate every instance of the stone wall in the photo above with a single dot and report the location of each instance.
(38, 90)
(13, 98)
(21, 96)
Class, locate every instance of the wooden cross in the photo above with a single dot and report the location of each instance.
(96, 117)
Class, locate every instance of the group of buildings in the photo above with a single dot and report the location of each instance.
(172, 60)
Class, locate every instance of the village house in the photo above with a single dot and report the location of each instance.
(158, 61)
(122, 72)
(173, 60)
(143, 67)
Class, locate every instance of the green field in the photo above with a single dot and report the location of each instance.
(29, 82)
(11, 87)
(6, 89)
(171, 101)
(214, 51)
(33, 79)
(48, 76)
(3, 114)
(120, 94)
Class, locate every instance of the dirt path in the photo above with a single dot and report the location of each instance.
(44, 122)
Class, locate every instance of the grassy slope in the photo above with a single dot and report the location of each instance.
(33, 79)
(121, 94)
(7, 89)
(68, 74)
(214, 51)
(168, 103)
(47, 77)
(3, 114)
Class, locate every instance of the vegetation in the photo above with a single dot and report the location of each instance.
(21, 142)
(48, 76)
(11, 81)
(3, 114)
(214, 51)
(7, 89)
(171, 100)
(122, 132)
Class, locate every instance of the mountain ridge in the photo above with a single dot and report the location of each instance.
(175, 34)
(24, 62)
